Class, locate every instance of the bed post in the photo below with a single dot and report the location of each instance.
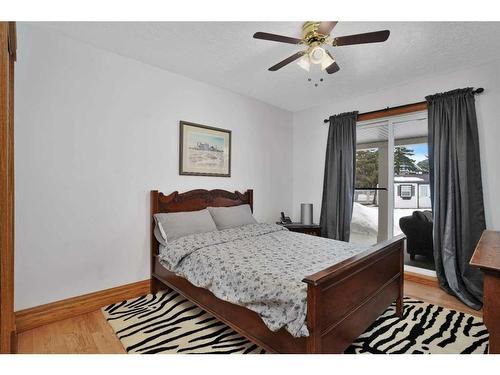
(313, 343)
(250, 198)
(154, 284)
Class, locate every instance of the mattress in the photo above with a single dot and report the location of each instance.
(258, 266)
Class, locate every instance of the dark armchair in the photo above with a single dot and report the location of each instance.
(418, 231)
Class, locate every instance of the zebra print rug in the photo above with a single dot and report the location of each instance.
(169, 323)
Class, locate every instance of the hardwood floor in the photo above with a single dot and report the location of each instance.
(437, 296)
(85, 334)
(90, 333)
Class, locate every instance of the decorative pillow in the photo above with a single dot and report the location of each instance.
(229, 217)
(171, 226)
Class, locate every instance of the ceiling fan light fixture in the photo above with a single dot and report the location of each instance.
(316, 55)
(304, 63)
(315, 35)
(326, 61)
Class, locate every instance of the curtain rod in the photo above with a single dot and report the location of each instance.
(479, 90)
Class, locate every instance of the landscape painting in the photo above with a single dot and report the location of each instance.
(204, 150)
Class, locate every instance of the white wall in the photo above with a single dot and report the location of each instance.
(309, 132)
(95, 132)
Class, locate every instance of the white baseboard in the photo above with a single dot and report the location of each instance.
(421, 271)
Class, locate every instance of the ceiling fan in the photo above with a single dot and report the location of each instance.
(315, 35)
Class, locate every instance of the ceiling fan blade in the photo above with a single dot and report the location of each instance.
(287, 61)
(333, 67)
(326, 27)
(276, 38)
(374, 37)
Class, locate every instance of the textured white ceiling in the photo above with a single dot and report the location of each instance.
(225, 54)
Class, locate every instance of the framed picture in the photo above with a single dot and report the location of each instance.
(204, 150)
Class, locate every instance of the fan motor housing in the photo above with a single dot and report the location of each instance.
(310, 33)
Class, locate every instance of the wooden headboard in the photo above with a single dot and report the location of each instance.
(193, 200)
(199, 199)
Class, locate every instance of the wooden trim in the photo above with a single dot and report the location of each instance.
(12, 40)
(392, 111)
(7, 322)
(71, 307)
(400, 110)
(421, 279)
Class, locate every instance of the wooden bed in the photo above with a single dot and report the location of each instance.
(342, 300)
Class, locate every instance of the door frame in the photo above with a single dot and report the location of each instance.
(8, 45)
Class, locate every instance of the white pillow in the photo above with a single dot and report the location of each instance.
(171, 226)
(230, 217)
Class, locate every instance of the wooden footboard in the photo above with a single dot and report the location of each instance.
(342, 300)
(345, 299)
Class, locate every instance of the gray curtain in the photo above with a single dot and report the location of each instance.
(338, 183)
(456, 191)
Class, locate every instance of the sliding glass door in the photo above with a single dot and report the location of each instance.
(392, 182)
(412, 199)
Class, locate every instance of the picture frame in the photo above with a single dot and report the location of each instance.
(204, 150)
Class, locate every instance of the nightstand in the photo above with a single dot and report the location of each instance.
(313, 229)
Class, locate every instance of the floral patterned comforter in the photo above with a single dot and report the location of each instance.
(259, 266)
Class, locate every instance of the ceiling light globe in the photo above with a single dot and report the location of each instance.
(316, 55)
(304, 63)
